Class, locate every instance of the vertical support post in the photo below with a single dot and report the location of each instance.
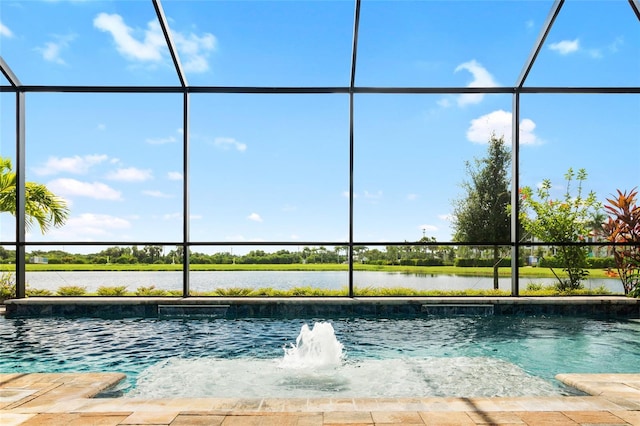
(515, 196)
(351, 165)
(20, 196)
(352, 83)
(185, 193)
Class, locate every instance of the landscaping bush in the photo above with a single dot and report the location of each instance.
(474, 262)
(233, 291)
(7, 286)
(150, 291)
(72, 290)
(601, 262)
(35, 292)
(429, 262)
(112, 291)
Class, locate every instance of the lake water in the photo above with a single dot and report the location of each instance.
(210, 280)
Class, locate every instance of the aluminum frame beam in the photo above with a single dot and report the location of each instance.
(162, 19)
(352, 83)
(635, 5)
(20, 170)
(551, 17)
(8, 73)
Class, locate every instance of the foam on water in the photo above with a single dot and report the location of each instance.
(314, 348)
(315, 366)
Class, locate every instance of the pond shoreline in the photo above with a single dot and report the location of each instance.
(526, 271)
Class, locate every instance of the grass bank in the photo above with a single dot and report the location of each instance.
(525, 272)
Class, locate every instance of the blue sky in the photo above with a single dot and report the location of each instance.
(276, 167)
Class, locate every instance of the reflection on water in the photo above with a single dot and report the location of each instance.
(281, 280)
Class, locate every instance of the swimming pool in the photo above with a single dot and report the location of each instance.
(455, 356)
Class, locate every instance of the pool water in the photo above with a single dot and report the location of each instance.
(455, 356)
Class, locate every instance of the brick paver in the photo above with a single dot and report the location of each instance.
(66, 399)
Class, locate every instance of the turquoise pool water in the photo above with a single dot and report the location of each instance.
(459, 356)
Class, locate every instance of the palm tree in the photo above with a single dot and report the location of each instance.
(41, 205)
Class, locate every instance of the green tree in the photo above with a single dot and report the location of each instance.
(482, 214)
(566, 220)
(41, 205)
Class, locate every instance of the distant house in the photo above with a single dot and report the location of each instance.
(39, 259)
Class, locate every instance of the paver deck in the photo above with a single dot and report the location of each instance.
(67, 399)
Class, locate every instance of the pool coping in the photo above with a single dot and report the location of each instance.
(66, 398)
(328, 307)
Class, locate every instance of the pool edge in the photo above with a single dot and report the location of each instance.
(324, 307)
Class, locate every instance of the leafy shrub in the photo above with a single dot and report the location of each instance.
(534, 287)
(112, 291)
(266, 291)
(72, 290)
(555, 290)
(591, 262)
(601, 262)
(233, 291)
(486, 263)
(623, 226)
(35, 292)
(564, 220)
(150, 291)
(430, 262)
(7, 285)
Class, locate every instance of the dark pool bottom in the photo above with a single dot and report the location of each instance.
(430, 356)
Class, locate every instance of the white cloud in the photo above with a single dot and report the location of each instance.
(130, 174)
(444, 103)
(445, 217)
(52, 49)
(254, 217)
(160, 141)
(595, 53)
(75, 164)
(499, 123)
(172, 216)
(412, 197)
(529, 24)
(373, 195)
(565, 47)
(102, 127)
(73, 187)
(157, 194)
(228, 143)
(193, 49)
(615, 45)
(148, 50)
(174, 176)
(5, 31)
(428, 228)
(88, 225)
(481, 78)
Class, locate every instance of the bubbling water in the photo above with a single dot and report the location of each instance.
(315, 348)
(315, 366)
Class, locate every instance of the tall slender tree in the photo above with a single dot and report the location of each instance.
(481, 215)
(41, 205)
